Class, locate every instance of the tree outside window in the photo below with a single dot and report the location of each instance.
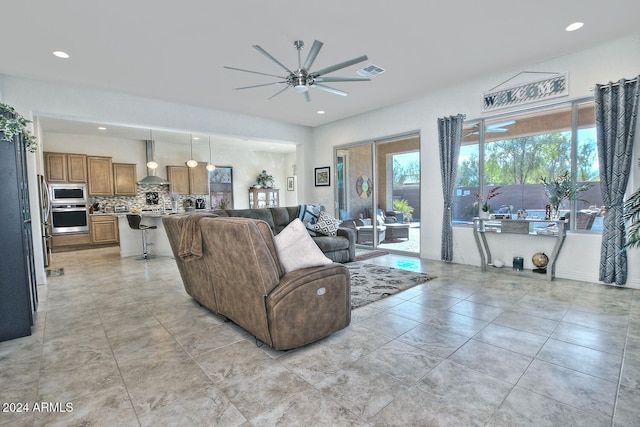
(514, 152)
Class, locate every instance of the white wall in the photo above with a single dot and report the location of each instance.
(580, 256)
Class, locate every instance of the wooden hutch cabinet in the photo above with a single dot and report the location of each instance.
(264, 198)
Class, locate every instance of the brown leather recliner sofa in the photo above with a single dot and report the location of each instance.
(240, 277)
(339, 248)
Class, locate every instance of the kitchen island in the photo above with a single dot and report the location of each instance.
(131, 240)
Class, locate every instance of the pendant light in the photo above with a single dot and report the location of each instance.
(152, 164)
(210, 166)
(192, 163)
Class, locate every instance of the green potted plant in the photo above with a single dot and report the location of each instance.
(631, 217)
(402, 206)
(264, 179)
(560, 188)
(16, 125)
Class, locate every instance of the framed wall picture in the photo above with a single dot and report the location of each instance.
(291, 186)
(323, 176)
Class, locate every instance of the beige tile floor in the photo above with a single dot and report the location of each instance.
(121, 341)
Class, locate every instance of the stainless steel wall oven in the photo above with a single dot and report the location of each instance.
(69, 213)
(69, 219)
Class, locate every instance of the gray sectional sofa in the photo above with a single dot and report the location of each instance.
(339, 248)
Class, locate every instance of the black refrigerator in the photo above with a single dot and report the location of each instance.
(18, 291)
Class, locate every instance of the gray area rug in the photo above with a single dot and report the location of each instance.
(371, 282)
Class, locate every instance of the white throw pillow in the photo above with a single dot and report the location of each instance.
(296, 249)
(326, 224)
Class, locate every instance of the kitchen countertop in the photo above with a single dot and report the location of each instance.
(145, 213)
(131, 240)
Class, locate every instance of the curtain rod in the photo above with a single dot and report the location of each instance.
(633, 80)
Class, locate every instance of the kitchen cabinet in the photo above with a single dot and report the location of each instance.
(124, 179)
(186, 180)
(199, 179)
(65, 167)
(69, 242)
(178, 176)
(100, 171)
(18, 290)
(264, 198)
(104, 229)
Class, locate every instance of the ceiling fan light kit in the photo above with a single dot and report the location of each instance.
(302, 79)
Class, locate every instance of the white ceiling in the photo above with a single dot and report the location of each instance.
(175, 51)
(101, 130)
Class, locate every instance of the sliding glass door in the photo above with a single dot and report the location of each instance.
(378, 191)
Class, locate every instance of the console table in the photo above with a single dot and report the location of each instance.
(553, 229)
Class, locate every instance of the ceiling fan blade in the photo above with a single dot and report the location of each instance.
(307, 97)
(339, 66)
(277, 93)
(313, 52)
(342, 79)
(254, 72)
(250, 87)
(265, 53)
(330, 89)
(500, 124)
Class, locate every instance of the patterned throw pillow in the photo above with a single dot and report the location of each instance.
(309, 215)
(327, 224)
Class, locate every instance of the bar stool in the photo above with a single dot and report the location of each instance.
(134, 224)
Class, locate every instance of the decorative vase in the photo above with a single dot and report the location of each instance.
(174, 206)
(484, 214)
(555, 212)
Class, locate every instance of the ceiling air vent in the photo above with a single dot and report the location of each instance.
(370, 70)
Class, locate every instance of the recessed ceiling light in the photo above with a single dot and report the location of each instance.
(574, 26)
(195, 138)
(320, 111)
(61, 54)
(102, 128)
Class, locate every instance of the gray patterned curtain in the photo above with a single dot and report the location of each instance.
(616, 113)
(449, 137)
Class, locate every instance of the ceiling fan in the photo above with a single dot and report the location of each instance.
(492, 127)
(302, 79)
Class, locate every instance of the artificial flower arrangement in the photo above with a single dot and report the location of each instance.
(484, 202)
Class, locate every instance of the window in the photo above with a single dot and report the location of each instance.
(513, 152)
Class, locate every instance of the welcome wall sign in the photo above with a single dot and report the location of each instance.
(534, 91)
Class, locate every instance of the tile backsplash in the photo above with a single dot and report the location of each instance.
(145, 199)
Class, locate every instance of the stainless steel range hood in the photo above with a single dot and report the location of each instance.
(151, 178)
